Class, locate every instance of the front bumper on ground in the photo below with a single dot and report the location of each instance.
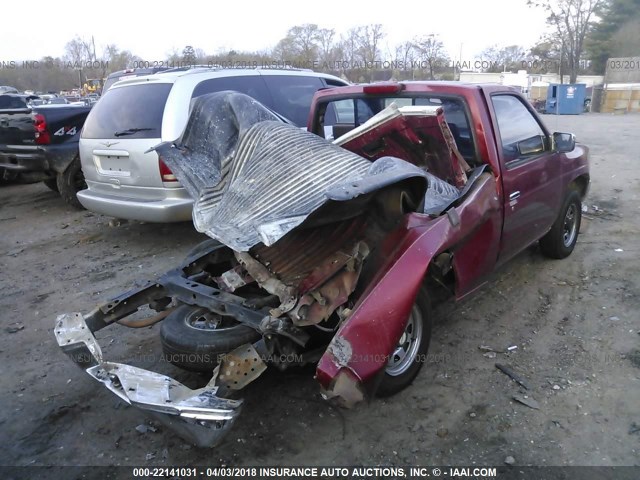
(198, 415)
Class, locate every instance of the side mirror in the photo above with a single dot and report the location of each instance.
(564, 142)
(531, 146)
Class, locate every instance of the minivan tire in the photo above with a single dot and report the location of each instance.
(70, 182)
(51, 183)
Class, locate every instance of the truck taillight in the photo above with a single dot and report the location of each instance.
(42, 134)
(383, 88)
(165, 172)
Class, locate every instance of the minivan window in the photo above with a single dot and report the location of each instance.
(134, 111)
(249, 85)
(292, 95)
(113, 79)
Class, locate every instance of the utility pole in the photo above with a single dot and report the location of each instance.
(560, 71)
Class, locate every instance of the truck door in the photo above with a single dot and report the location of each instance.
(531, 174)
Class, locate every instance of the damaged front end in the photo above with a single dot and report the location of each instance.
(306, 234)
(198, 416)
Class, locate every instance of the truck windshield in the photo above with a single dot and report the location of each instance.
(135, 111)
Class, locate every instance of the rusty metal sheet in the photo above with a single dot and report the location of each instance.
(240, 367)
(297, 255)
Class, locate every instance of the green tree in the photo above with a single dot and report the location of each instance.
(571, 20)
(616, 34)
(301, 45)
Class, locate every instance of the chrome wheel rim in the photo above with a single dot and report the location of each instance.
(204, 320)
(406, 351)
(570, 226)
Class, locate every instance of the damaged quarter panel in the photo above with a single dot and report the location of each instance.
(366, 339)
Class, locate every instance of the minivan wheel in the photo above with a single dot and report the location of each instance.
(70, 182)
(51, 183)
(194, 338)
(410, 354)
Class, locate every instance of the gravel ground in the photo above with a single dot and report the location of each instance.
(574, 323)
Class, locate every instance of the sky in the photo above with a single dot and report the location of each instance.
(153, 30)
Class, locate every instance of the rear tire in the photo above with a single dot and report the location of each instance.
(51, 183)
(562, 238)
(410, 354)
(189, 343)
(70, 182)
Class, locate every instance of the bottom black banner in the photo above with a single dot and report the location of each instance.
(379, 472)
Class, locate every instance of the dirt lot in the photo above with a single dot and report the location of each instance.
(574, 322)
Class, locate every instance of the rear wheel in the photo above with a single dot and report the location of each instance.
(562, 238)
(193, 337)
(51, 183)
(409, 355)
(70, 182)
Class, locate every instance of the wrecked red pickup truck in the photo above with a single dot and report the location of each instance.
(328, 246)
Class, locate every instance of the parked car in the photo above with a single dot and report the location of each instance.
(124, 179)
(7, 89)
(40, 143)
(330, 252)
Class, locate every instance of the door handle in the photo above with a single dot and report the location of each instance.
(514, 195)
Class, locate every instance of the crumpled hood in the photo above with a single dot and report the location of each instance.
(254, 178)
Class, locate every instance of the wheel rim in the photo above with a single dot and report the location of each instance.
(406, 351)
(205, 320)
(570, 225)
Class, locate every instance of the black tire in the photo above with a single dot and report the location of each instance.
(70, 182)
(560, 241)
(400, 372)
(192, 348)
(51, 183)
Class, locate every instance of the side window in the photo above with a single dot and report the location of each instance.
(520, 133)
(292, 95)
(249, 85)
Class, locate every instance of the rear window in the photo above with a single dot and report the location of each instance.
(352, 112)
(134, 111)
(111, 80)
(8, 102)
